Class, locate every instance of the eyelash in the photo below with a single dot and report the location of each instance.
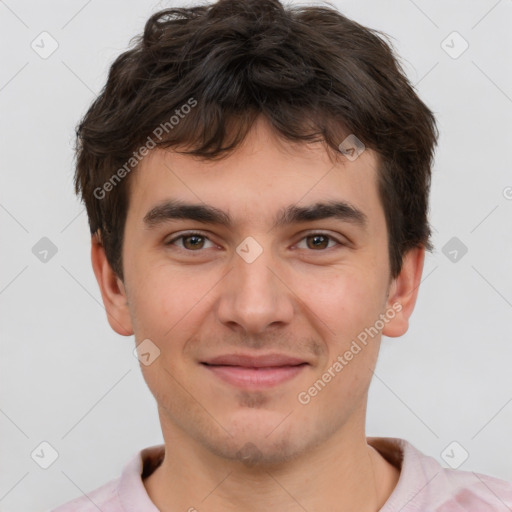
(195, 233)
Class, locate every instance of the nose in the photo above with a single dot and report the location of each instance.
(255, 296)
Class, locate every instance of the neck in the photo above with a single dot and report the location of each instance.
(344, 473)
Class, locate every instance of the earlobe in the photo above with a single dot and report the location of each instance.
(112, 290)
(404, 292)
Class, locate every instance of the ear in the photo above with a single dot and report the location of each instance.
(403, 292)
(112, 290)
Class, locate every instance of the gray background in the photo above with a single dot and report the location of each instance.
(69, 380)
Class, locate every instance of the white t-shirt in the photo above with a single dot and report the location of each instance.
(424, 485)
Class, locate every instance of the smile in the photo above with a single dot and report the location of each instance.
(255, 377)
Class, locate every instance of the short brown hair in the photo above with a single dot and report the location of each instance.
(312, 72)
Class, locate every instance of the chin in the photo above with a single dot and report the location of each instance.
(259, 453)
(258, 442)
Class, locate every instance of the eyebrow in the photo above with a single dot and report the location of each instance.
(293, 214)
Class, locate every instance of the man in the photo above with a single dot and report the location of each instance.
(256, 180)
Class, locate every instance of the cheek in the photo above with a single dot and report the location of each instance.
(346, 302)
(168, 301)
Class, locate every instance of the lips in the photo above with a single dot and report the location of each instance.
(247, 361)
(255, 372)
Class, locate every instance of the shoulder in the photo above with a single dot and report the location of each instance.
(426, 485)
(126, 493)
(104, 498)
(462, 491)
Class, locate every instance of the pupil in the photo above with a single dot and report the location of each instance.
(318, 240)
(196, 240)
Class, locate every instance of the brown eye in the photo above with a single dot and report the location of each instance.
(192, 242)
(318, 241)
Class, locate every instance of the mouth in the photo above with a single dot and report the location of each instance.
(251, 372)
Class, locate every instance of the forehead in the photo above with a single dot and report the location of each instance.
(262, 176)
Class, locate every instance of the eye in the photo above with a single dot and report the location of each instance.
(318, 241)
(194, 242)
(190, 241)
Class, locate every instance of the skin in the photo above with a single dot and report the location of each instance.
(258, 450)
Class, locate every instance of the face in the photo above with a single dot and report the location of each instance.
(254, 299)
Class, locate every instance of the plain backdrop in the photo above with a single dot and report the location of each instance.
(68, 380)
